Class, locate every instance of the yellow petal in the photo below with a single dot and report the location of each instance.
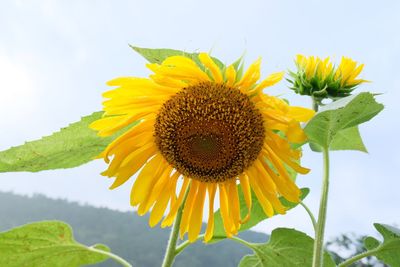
(276, 158)
(224, 207)
(209, 63)
(126, 148)
(244, 182)
(234, 203)
(142, 127)
(265, 204)
(300, 113)
(264, 181)
(179, 61)
(159, 208)
(108, 126)
(180, 66)
(156, 188)
(268, 183)
(188, 208)
(295, 133)
(212, 188)
(167, 81)
(197, 213)
(286, 187)
(136, 160)
(141, 187)
(133, 86)
(163, 199)
(169, 219)
(301, 60)
(272, 79)
(174, 179)
(251, 76)
(230, 74)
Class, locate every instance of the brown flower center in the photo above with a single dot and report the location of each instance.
(209, 132)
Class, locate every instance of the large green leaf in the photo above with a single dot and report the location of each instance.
(158, 55)
(346, 139)
(285, 248)
(257, 213)
(72, 146)
(342, 114)
(46, 244)
(389, 250)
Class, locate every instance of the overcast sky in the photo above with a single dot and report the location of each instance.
(56, 56)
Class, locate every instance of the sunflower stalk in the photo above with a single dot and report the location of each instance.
(320, 226)
(172, 251)
(315, 104)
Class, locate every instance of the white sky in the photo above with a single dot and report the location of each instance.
(56, 56)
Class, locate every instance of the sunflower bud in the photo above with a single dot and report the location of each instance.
(320, 79)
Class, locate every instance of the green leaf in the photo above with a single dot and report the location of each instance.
(48, 243)
(285, 248)
(72, 146)
(346, 139)
(342, 114)
(389, 250)
(257, 213)
(159, 55)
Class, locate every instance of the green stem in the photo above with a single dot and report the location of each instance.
(315, 104)
(182, 246)
(170, 252)
(358, 257)
(319, 233)
(112, 256)
(247, 244)
(310, 214)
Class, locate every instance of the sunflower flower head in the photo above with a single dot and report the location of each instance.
(320, 79)
(201, 129)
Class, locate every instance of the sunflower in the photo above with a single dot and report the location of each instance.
(320, 79)
(199, 130)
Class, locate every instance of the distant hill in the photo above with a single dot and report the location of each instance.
(127, 234)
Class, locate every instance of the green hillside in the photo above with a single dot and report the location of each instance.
(127, 234)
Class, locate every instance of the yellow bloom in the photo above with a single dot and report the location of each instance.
(319, 78)
(204, 130)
